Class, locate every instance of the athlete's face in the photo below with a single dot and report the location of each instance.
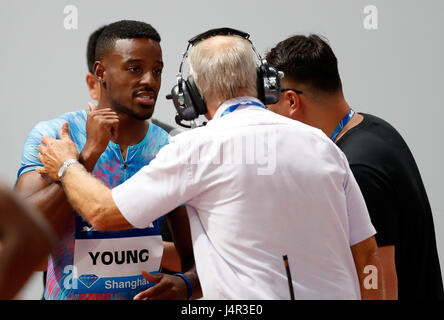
(132, 76)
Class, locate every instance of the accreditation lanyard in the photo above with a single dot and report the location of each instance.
(232, 108)
(342, 124)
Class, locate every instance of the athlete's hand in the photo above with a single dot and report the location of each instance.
(101, 127)
(167, 287)
(53, 153)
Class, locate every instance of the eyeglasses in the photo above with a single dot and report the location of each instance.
(294, 90)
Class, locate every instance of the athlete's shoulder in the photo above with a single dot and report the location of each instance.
(79, 114)
(158, 134)
(155, 128)
(51, 127)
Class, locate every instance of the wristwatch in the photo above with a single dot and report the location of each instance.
(65, 166)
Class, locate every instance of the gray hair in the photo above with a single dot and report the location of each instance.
(222, 66)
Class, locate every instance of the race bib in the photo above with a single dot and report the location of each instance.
(106, 262)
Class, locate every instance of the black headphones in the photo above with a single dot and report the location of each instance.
(187, 99)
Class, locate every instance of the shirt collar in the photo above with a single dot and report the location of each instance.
(224, 106)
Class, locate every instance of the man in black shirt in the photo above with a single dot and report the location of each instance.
(380, 161)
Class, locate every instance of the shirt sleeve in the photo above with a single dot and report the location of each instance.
(380, 200)
(360, 225)
(29, 159)
(157, 188)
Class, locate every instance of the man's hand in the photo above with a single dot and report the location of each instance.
(53, 153)
(101, 127)
(167, 287)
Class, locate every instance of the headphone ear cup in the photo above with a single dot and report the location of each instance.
(198, 102)
(260, 84)
(182, 102)
(188, 112)
(269, 84)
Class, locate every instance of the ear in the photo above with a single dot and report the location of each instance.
(295, 105)
(92, 85)
(99, 72)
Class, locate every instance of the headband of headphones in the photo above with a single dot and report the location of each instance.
(218, 32)
(186, 97)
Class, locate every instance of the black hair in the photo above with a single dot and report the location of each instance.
(124, 29)
(308, 60)
(91, 48)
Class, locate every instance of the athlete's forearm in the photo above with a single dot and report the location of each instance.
(191, 273)
(89, 157)
(181, 232)
(170, 257)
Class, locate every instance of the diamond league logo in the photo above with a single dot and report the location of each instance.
(88, 279)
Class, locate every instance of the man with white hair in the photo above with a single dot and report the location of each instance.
(257, 186)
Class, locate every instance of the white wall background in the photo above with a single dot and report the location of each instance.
(394, 72)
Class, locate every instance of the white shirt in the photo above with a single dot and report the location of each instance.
(257, 186)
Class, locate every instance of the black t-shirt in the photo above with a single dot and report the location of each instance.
(397, 202)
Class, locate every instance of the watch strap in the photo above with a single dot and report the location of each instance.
(65, 166)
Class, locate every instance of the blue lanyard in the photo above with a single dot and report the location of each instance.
(342, 124)
(234, 107)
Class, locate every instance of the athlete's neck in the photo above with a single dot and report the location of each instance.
(130, 132)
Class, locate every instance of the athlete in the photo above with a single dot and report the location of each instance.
(115, 140)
